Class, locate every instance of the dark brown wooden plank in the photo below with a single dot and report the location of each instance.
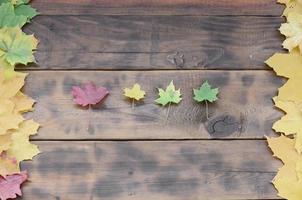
(191, 170)
(220, 169)
(158, 7)
(245, 109)
(155, 42)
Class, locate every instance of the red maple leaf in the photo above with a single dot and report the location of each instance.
(89, 94)
(10, 185)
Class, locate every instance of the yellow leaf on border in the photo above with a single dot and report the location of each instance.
(8, 165)
(291, 6)
(291, 122)
(286, 91)
(293, 31)
(6, 106)
(21, 148)
(283, 148)
(289, 66)
(299, 169)
(10, 87)
(286, 64)
(287, 180)
(284, 1)
(5, 142)
(23, 103)
(9, 121)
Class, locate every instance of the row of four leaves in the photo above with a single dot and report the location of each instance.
(91, 95)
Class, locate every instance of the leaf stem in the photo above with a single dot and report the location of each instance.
(207, 110)
(132, 103)
(89, 116)
(168, 112)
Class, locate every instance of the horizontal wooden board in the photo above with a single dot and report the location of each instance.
(158, 7)
(191, 170)
(244, 110)
(155, 42)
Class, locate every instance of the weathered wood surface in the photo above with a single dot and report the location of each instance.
(244, 111)
(155, 42)
(158, 7)
(139, 35)
(166, 170)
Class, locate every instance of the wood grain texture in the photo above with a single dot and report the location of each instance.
(158, 7)
(191, 170)
(139, 35)
(155, 42)
(245, 108)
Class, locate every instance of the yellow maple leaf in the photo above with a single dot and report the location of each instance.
(291, 122)
(286, 64)
(22, 103)
(9, 70)
(283, 148)
(8, 119)
(293, 31)
(299, 169)
(135, 92)
(291, 6)
(21, 148)
(5, 142)
(286, 91)
(6, 106)
(8, 165)
(284, 1)
(289, 66)
(10, 87)
(287, 180)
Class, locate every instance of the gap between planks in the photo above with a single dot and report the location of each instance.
(147, 139)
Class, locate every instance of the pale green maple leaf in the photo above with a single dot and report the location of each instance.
(16, 47)
(18, 2)
(15, 2)
(205, 93)
(9, 70)
(26, 10)
(170, 95)
(8, 17)
(20, 8)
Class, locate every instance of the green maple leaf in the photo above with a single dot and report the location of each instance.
(18, 2)
(8, 17)
(26, 10)
(15, 2)
(205, 93)
(16, 12)
(170, 95)
(16, 47)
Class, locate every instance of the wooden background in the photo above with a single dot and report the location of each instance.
(114, 152)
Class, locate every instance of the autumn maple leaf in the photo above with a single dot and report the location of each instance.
(10, 185)
(16, 47)
(168, 96)
(8, 17)
(288, 179)
(293, 31)
(135, 92)
(205, 93)
(89, 94)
